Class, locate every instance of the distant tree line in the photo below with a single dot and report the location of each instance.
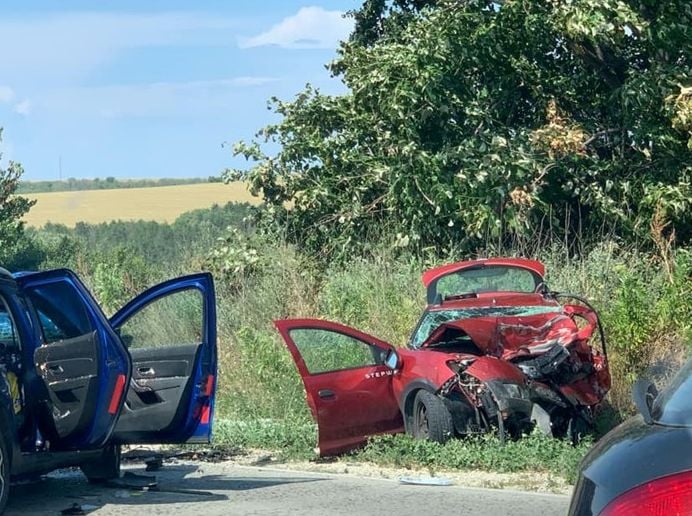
(110, 182)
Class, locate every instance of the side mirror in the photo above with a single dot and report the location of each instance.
(643, 394)
(392, 360)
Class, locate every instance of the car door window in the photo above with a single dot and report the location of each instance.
(61, 312)
(9, 339)
(173, 320)
(325, 350)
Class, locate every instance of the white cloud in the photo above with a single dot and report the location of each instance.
(61, 47)
(161, 99)
(310, 27)
(6, 94)
(23, 108)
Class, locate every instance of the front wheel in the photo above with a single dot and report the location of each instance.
(104, 469)
(431, 419)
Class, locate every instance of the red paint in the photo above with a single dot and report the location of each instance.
(363, 403)
(490, 368)
(432, 274)
(206, 415)
(117, 395)
(209, 385)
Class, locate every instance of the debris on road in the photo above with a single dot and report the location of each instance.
(426, 481)
(134, 482)
(78, 509)
(154, 463)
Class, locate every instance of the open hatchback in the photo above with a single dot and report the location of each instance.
(494, 351)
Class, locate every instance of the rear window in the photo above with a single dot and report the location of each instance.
(487, 278)
(673, 406)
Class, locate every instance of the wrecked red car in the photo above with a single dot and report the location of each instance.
(494, 351)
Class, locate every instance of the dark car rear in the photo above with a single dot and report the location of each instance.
(643, 466)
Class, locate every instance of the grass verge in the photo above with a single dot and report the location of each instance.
(295, 440)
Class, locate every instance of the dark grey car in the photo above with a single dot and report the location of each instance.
(643, 466)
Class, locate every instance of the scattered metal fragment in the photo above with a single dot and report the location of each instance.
(134, 482)
(182, 491)
(76, 508)
(426, 481)
(154, 463)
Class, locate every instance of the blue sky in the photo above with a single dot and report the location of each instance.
(134, 88)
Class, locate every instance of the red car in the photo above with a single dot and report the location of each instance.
(495, 350)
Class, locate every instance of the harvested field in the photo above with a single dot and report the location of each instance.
(161, 204)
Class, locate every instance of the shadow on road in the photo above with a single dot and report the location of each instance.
(177, 483)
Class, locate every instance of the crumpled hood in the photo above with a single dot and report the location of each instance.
(510, 336)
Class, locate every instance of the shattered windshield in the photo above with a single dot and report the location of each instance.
(434, 318)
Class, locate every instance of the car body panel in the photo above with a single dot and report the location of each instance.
(628, 456)
(348, 405)
(197, 365)
(645, 448)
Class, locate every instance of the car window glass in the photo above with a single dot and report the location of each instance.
(8, 331)
(673, 406)
(325, 350)
(487, 279)
(61, 311)
(175, 319)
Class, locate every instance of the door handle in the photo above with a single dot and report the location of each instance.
(146, 371)
(326, 394)
(56, 369)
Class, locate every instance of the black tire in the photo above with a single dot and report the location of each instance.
(104, 469)
(578, 428)
(431, 419)
(5, 471)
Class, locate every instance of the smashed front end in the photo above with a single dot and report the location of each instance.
(517, 372)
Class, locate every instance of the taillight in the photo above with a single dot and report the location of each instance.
(667, 496)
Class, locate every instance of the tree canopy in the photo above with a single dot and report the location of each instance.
(12, 208)
(468, 122)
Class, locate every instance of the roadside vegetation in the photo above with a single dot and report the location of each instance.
(556, 130)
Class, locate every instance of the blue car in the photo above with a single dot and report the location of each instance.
(76, 385)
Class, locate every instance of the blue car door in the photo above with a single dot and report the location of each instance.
(81, 366)
(170, 335)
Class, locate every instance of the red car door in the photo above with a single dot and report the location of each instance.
(349, 389)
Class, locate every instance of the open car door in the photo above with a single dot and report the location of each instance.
(82, 368)
(170, 334)
(349, 389)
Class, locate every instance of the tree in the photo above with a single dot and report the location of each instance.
(12, 209)
(468, 122)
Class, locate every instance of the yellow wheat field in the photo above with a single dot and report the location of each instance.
(160, 203)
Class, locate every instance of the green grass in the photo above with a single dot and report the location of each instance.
(295, 440)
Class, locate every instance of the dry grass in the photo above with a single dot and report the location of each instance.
(161, 204)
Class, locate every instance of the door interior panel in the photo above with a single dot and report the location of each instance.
(159, 392)
(70, 370)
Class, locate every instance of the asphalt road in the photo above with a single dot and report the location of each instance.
(226, 488)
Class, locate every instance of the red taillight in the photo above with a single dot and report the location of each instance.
(667, 496)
